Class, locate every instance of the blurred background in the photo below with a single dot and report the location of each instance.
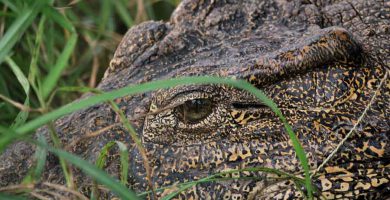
(49, 44)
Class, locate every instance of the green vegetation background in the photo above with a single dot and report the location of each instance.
(99, 26)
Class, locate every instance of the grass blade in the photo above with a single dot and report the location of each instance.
(101, 160)
(10, 197)
(98, 174)
(40, 157)
(214, 177)
(123, 13)
(34, 73)
(10, 110)
(93, 171)
(105, 13)
(18, 27)
(10, 5)
(124, 157)
(22, 115)
(41, 154)
(51, 80)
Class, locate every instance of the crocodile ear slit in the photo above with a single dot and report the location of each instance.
(330, 45)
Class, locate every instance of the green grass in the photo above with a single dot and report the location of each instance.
(55, 43)
(47, 46)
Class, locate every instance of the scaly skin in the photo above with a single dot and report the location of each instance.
(322, 62)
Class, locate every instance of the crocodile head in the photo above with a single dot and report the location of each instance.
(326, 80)
(324, 64)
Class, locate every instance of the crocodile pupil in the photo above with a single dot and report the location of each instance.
(195, 110)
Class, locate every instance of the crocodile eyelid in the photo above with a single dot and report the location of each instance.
(189, 95)
(329, 45)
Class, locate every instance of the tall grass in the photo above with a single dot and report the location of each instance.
(48, 44)
(62, 43)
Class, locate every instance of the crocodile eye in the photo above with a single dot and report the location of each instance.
(195, 110)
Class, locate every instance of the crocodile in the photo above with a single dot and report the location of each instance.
(325, 63)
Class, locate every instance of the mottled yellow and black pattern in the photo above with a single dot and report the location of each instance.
(325, 63)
